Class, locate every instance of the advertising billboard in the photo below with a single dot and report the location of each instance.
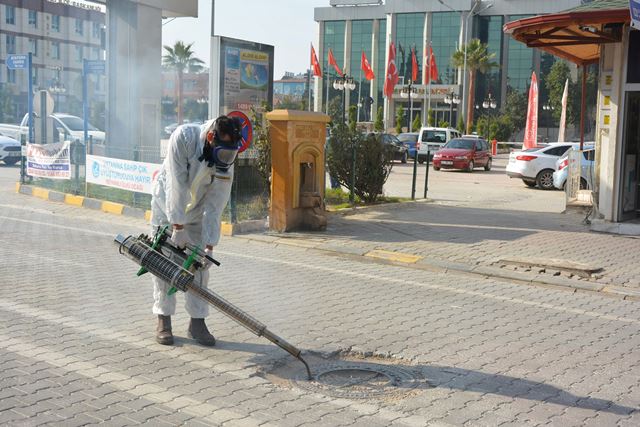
(241, 75)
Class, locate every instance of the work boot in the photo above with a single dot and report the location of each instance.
(163, 331)
(198, 331)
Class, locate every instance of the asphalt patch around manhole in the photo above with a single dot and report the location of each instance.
(351, 376)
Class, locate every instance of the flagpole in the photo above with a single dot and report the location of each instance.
(309, 80)
(326, 109)
(429, 85)
(359, 91)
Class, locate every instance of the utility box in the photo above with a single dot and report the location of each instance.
(297, 170)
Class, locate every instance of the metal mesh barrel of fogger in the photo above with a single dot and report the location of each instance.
(154, 262)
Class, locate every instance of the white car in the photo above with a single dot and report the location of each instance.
(433, 139)
(10, 150)
(72, 127)
(535, 166)
(586, 170)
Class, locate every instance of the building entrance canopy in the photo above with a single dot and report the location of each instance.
(576, 34)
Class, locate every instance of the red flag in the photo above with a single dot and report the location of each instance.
(391, 78)
(366, 67)
(431, 68)
(332, 61)
(317, 71)
(414, 66)
(531, 129)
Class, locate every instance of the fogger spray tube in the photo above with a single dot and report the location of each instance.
(159, 265)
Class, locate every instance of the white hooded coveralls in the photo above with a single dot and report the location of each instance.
(189, 192)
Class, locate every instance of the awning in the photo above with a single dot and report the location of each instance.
(576, 34)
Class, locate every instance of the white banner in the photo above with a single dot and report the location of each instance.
(123, 174)
(49, 161)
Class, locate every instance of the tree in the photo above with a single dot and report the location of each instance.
(353, 117)
(7, 106)
(478, 60)
(182, 59)
(554, 83)
(460, 126)
(335, 109)
(262, 143)
(431, 117)
(417, 124)
(399, 119)
(515, 109)
(378, 125)
(443, 124)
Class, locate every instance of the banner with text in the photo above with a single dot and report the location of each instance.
(49, 161)
(123, 174)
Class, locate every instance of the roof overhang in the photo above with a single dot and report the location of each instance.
(575, 36)
(170, 8)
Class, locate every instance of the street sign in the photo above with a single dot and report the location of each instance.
(246, 129)
(97, 66)
(17, 62)
(634, 9)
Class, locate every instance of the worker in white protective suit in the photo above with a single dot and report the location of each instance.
(192, 190)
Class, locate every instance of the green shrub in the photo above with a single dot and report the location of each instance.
(399, 119)
(373, 161)
(378, 126)
(417, 124)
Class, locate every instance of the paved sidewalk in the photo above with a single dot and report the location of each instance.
(492, 242)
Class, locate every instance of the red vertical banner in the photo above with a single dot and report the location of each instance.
(315, 65)
(531, 129)
(414, 66)
(391, 79)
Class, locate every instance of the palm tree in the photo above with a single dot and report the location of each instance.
(181, 58)
(478, 59)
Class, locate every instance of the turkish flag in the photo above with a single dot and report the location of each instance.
(317, 70)
(366, 67)
(332, 61)
(531, 129)
(414, 66)
(391, 79)
(431, 70)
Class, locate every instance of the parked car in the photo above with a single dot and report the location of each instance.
(10, 150)
(433, 139)
(400, 151)
(535, 166)
(586, 170)
(410, 140)
(463, 153)
(71, 127)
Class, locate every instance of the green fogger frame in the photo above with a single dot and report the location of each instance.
(154, 255)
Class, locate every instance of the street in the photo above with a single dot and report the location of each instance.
(78, 342)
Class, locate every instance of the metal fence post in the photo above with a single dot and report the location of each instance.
(233, 207)
(352, 196)
(415, 175)
(23, 161)
(426, 175)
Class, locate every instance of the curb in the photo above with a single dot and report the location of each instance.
(441, 266)
(227, 229)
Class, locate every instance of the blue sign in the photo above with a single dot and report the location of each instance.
(634, 9)
(94, 66)
(17, 62)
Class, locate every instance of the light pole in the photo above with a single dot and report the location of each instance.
(489, 104)
(409, 92)
(548, 107)
(342, 84)
(451, 100)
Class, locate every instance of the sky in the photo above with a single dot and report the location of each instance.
(286, 24)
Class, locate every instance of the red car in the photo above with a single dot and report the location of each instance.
(463, 153)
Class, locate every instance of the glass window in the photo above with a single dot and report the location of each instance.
(445, 33)
(434, 136)
(10, 43)
(520, 62)
(55, 50)
(633, 65)
(79, 26)
(11, 75)
(95, 53)
(33, 18)
(55, 23)
(557, 151)
(33, 46)
(34, 77)
(10, 15)
(334, 40)
(74, 123)
(79, 53)
(361, 33)
(409, 34)
(465, 144)
(95, 30)
(488, 29)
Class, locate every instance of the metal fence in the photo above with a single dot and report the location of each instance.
(249, 197)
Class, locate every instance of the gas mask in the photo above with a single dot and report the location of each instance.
(219, 153)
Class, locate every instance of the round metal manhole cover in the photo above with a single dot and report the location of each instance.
(361, 380)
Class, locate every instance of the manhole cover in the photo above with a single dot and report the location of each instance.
(358, 380)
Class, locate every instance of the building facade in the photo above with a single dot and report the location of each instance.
(59, 36)
(291, 88)
(349, 27)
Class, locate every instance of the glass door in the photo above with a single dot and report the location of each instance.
(630, 178)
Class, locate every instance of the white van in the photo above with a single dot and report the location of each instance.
(432, 139)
